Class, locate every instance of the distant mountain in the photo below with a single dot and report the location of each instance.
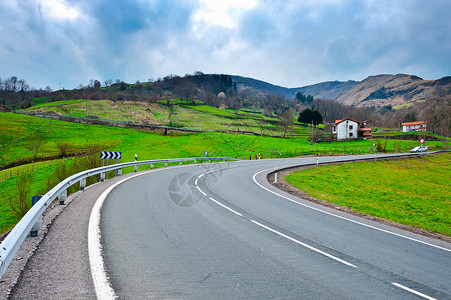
(326, 90)
(258, 87)
(330, 90)
(378, 91)
(395, 90)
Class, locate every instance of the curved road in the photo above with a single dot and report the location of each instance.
(220, 231)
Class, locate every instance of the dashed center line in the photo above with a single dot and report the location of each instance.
(303, 244)
(226, 207)
(202, 192)
(275, 231)
(413, 291)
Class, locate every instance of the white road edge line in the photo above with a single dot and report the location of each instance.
(413, 291)
(344, 218)
(101, 283)
(226, 207)
(303, 244)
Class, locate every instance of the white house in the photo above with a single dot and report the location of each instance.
(414, 126)
(346, 129)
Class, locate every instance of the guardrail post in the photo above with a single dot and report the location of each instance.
(136, 159)
(166, 164)
(37, 225)
(83, 184)
(209, 160)
(62, 197)
(195, 161)
(119, 172)
(151, 166)
(180, 162)
(223, 160)
(102, 177)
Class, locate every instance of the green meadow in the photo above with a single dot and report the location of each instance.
(413, 191)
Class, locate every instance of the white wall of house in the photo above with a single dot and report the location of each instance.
(346, 130)
(418, 127)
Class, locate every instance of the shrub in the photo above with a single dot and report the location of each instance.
(20, 202)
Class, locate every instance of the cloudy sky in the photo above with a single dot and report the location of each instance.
(64, 43)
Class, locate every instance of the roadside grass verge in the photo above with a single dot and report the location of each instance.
(413, 191)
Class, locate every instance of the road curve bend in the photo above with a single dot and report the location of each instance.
(221, 231)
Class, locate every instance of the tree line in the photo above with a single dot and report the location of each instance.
(17, 92)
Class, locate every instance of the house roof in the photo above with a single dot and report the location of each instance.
(365, 129)
(339, 121)
(414, 123)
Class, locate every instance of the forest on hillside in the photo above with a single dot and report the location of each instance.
(219, 90)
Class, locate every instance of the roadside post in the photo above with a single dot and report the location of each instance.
(275, 175)
(136, 159)
(62, 197)
(37, 225)
(82, 184)
(374, 148)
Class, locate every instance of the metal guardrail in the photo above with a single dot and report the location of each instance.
(15, 238)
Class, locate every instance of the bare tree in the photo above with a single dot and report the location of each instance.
(286, 119)
(20, 201)
(35, 141)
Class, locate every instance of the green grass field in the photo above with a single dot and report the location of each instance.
(412, 191)
(15, 141)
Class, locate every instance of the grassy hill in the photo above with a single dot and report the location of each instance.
(202, 117)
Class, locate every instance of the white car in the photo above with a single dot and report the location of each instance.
(419, 149)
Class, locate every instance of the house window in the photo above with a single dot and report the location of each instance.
(350, 134)
(350, 127)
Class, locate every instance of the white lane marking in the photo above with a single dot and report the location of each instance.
(101, 283)
(303, 244)
(344, 218)
(201, 191)
(226, 207)
(413, 291)
(196, 181)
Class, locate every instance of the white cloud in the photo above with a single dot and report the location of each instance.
(59, 10)
(222, 13)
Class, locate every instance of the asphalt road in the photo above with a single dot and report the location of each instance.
(216, 231)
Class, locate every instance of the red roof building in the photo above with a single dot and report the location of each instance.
(414, 126)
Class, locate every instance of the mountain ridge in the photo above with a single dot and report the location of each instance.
(374, 91)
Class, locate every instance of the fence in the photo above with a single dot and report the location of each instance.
(15, 238)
